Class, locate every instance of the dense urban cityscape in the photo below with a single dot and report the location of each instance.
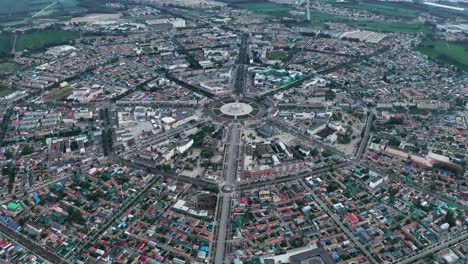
(233, 131)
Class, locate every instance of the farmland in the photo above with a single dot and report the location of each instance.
(446, 52)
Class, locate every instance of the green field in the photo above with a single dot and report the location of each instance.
(278, 55)
(4, 91)
(24, 12)
(59, 94)
(266, 8)
(445, 52)
(31, 7)
(387, 9)
(5, 43)
(403, 27)
(41, 39)
(8, 67)
(319, 19)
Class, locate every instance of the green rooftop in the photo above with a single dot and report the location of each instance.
(13, 206)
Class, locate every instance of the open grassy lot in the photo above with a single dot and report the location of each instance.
(59, 94)
(8, 67)
(319, 19)
(278, 55)
(382, 8)
(5, 43)
(445, 52)
(40, 39)
(266, 8)
(403, 27)
(17, 12)
(4, 91)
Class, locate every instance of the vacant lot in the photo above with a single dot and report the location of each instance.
(41, 39)
(446, 52)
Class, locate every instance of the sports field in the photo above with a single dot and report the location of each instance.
(446, 52)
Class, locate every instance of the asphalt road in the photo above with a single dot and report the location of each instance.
(104, 226)
(337, 220)
(295, 176)
(431, 250)
(287, 128)
(35, 248)
(229, 179)
(365, 137)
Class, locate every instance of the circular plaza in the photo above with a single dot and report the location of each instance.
(229, 108)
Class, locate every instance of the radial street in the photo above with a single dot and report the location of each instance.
(337, 220)
(229, 180)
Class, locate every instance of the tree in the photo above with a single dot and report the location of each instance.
(330, 95)
(75, 215)
(10, 171)
(8, 155)
(394, 142)
(395, 121)
(450, 219)
(27, 149)
(206, 153)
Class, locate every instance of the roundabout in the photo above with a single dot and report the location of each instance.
(231, 109)
(227, 189)
(236, 109)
